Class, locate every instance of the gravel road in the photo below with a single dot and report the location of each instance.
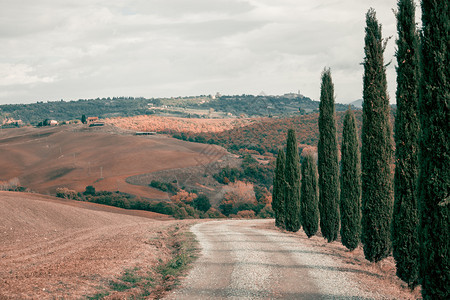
(242, 260)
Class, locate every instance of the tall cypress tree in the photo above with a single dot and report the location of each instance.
(405, 239)
(434, 152)
(279, 186)
(328, 161)
(350, 203)
(309, 197)
(376, 152)
(292, 177)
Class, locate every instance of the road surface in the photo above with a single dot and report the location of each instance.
(242, 260)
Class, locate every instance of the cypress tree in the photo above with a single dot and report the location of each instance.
(328, 161)
(309, 197)
(350, 203)
(292, 177)
(278, 190)
(376, 152)
(434, 152)
(405, 239)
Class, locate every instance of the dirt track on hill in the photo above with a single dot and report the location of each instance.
(51, 249)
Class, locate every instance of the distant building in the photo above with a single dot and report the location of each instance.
(91, 120)
(52, 122)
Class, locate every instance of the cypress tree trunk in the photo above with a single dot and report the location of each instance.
(434, 152)
(350, 184)
(292, 177)
(405, 239)
(309, 197)
(279, 186)
(328, 161)
(376, 153)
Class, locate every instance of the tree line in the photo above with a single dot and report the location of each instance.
(390, 201)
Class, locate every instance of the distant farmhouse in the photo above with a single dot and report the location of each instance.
(91, 120)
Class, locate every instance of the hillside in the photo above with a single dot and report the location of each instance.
(53, 248)
(264, 135)
(197, 106)
(43, 159)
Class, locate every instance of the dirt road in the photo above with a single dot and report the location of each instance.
(243, 260)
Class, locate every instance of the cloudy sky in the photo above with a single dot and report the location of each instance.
(72, 49)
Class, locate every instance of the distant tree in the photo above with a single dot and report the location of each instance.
(309, 196)
(279, 186)
(350, 201)
(292, 177)
(328, 161)
(405, 239)
(202, 203)
(434, 151)
(83, 119)
(376, 153)
(90, 190)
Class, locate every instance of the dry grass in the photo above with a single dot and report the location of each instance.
(173, 124)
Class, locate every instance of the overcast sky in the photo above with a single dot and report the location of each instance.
(72, 49)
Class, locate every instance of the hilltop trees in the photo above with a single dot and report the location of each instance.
(328, 161)
(278, 202)
(309, 197)
(292, 190)
(405, 242)
(350, 202)
(376, 153)
(434, 152)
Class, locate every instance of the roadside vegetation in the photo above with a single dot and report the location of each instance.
(143, 282)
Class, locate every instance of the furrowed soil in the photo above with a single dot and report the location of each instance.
(53, 248)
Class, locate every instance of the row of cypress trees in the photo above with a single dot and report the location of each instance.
(419, 233)
(406, 214)
(294, 204)
(297, 205)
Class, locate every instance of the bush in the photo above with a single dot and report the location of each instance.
(90, 190)
(213, 213)
(266, 212)
(246, 214)
(165, 187)
(66, 193)
(202, 203)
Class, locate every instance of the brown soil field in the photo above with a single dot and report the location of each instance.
(43, 159)
(173, 124)
(52, 248)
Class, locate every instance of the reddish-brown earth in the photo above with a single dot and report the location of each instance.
(44, 159)
(51, 248)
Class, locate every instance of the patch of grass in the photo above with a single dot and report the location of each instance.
(98, 296)
(119, 286)
(184, 253)
(130, 276)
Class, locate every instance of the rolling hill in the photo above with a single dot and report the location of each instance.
(44, 159)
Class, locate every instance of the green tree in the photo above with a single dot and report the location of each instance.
(434, 152)
(309, 196)
(376, 152)
(292, 190)
(350, 184)
(202, 203)
(405, 220)
(279, 186)
(328, 161)
(83, 119)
